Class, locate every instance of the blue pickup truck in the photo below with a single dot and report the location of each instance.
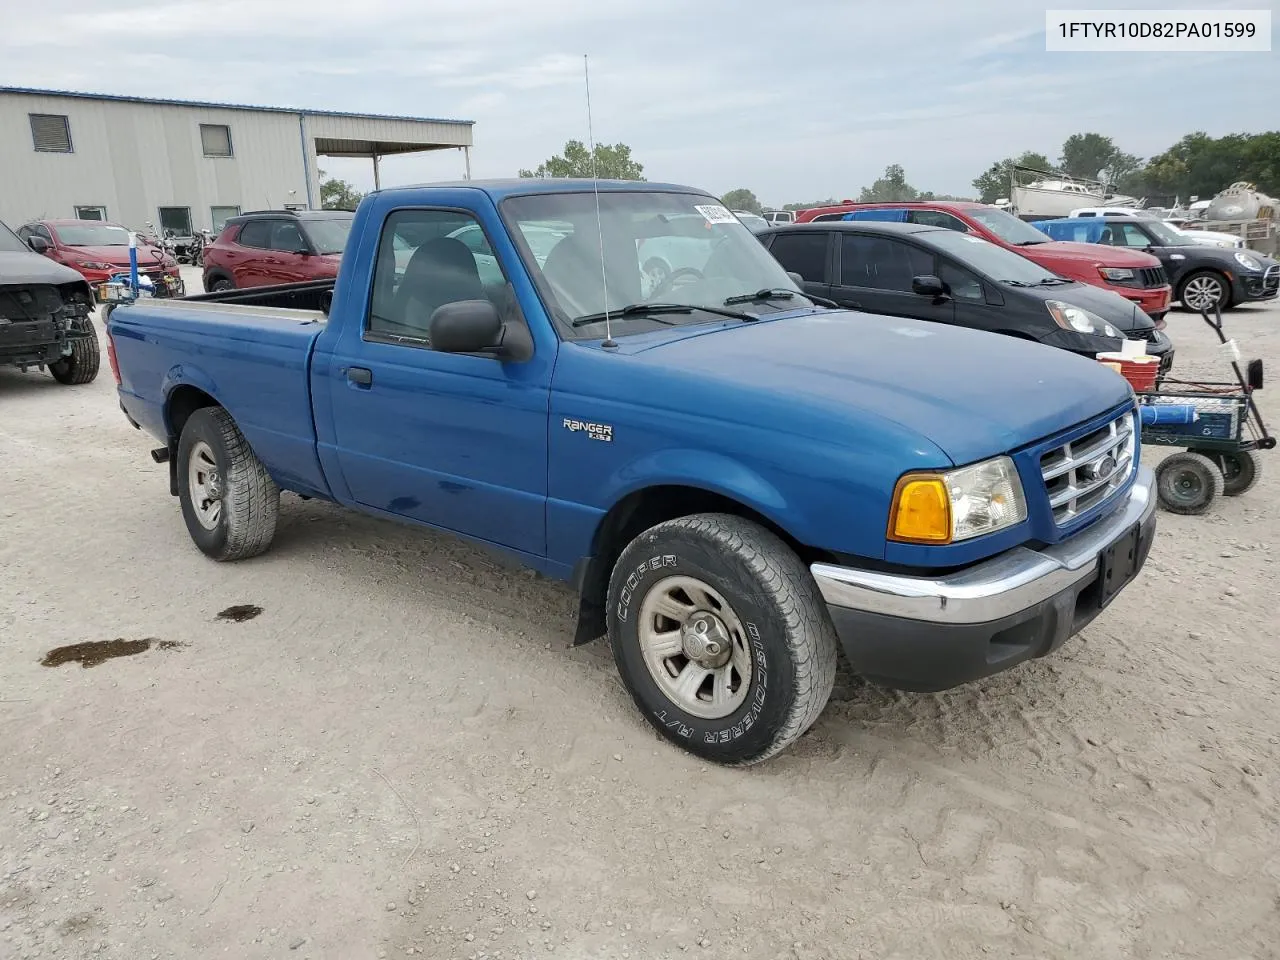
(737, 480)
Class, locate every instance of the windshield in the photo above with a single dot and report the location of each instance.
(92, 235)
(1167, 236)
(1008, 227)
(9, 242)
(328, 235)
(996, 262)
(660, 248)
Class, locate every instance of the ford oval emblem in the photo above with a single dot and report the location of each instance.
(1100, 469)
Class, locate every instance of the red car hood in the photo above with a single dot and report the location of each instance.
(114, 255)
(1089, 253)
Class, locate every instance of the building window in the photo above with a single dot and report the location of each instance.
(220, 215)
(216, 139)
(176, 220)
(91, 213)
(50, 133)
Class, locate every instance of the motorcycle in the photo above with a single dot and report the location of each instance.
(201, 239)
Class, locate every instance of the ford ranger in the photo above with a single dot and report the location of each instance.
(737, 480)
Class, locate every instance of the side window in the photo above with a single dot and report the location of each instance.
(880, 263)
(1131, 235)
(962, 284)
(936, 218)
(24, 232)
(287, 237)
(803, 253)
(256, 233)
(424, 262)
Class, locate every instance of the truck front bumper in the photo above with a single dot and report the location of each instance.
(933, 633)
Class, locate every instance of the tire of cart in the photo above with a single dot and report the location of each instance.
(1188, 483)
(1241, 470)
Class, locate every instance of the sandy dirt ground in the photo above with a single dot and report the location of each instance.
(400, 755)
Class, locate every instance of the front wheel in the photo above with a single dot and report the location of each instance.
(229, 501)
(1188, 483)
(721, 637)
(1205, 290)
(221, 285)
(86, 356)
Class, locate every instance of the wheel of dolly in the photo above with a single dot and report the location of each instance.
(721, 637)
(1240, 471)
(1188, 482)
(229, 501)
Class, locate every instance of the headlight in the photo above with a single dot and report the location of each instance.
(1248, 262)
(1116, 274)
(939, 508)
(1081, 321)
(93, 265)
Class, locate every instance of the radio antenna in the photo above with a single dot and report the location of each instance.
(609, 342)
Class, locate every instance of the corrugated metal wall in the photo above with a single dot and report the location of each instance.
(133, 158)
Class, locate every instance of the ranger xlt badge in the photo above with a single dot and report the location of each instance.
(596, 431)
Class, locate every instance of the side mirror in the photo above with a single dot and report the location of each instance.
(466, 326)
(796, 279)
(927, 285)
(38, 244)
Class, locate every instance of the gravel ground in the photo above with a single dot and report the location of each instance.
(399, 754)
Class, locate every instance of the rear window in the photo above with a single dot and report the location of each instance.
(256, 233)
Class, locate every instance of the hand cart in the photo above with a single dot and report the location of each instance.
(1221, 432)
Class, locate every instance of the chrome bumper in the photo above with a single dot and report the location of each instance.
(1000, 587)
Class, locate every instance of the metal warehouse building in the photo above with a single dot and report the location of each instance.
(183, 165)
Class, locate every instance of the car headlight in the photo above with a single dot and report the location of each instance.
(1069, 317)
(1248, 262)
(92, 265)
(1116, 274)
(940, 508)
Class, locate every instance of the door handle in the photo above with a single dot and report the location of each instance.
(360, 376)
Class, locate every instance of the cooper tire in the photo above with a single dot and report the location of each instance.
(217, 466)
(86, 356)
(1188, 483)
(771, 608)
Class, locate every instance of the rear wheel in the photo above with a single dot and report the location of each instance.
(221, 284)
(86, 356)
(229, 501)
(721, 637)
(1240, 470)
(1188, 483)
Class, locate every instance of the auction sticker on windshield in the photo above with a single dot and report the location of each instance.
(714, 213)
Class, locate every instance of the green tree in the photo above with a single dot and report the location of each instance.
(338, 194)
(611, 163)
(994, 183)
(1087, 154)
(1201, 165)
(892, 186)
(742, 199)
(830, 201)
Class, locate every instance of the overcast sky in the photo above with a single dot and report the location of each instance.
(798, 100)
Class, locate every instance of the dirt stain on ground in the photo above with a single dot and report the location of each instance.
(240, 613)
(99, 651)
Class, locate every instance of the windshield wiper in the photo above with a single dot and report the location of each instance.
(1018, 283)
(654, 310)
(1052, 280)
(777, 293)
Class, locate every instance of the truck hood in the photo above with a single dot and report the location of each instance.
(1089, 253)
(972, 394)
(25, 268)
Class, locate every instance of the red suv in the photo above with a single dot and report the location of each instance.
(96, 249)
(276, 246)
(1134, 275)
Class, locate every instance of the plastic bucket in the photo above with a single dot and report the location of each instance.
(1140, 371)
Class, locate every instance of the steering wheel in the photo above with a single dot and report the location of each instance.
(674, 278)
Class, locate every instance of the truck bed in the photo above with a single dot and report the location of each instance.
(252, 359)
(308, 295)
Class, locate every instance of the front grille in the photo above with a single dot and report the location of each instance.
(1271, 279)
(1089, 470)
(1152, 277)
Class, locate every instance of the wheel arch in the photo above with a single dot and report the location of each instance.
(641, 509)
(182, 399)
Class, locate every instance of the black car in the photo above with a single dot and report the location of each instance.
(933, 273)
(1201, 275)
(44, 314)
